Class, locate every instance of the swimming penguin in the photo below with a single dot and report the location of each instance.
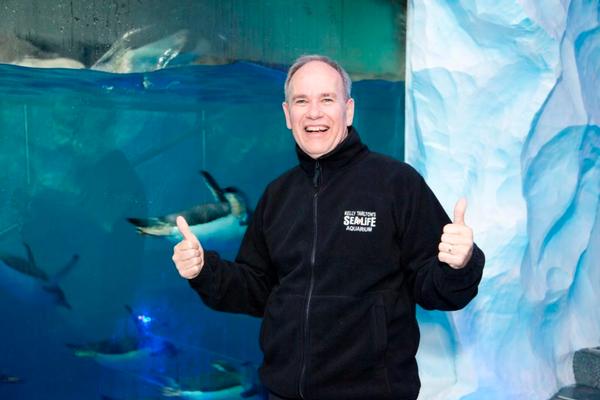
(133, 52)
(218, 225)
(24, 280)
(225, 381)
(130, 353)
(10, 379)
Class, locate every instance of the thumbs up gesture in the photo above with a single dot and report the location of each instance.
(188, 255)
(456, 245)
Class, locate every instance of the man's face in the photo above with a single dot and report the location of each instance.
(316, 110)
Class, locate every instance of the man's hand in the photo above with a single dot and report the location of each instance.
(456, 246)
(188, 255)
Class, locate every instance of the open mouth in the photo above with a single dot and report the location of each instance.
(316, 129)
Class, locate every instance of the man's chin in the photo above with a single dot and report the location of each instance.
(315, 152)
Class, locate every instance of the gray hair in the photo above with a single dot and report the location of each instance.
(303, 60)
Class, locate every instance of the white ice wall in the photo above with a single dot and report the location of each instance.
(503, 106)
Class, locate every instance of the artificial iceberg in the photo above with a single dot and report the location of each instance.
(503, 106)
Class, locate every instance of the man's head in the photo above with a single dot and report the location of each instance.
(318, 107)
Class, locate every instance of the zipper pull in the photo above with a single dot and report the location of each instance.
(317, 175)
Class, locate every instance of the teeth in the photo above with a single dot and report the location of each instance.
(316, 128)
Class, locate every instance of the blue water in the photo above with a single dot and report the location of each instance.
(83, 150)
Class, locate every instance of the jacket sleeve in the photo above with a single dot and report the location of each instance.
(242, 286)
(435, 284)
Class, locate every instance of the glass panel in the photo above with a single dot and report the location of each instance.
(90, 308)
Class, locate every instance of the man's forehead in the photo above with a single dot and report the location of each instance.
(316, 75)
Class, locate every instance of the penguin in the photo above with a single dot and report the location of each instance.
(225, 381)
(128, 353)
(23, 279)
(218, 225)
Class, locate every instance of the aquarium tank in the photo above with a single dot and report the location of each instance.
(115, 113)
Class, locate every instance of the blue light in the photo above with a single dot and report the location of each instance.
(144, 319)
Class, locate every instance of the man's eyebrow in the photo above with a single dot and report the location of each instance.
(299, 96)
(328, 95)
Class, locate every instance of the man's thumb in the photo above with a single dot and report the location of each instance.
(459, 211)
(185, 230)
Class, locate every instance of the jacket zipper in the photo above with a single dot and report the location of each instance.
(316, 182)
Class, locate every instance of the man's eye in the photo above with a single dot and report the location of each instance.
(300, 101)
(328, 100)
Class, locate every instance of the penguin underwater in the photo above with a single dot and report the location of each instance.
(219, 225)
(130, 353)
(224, 382)
(26, 281)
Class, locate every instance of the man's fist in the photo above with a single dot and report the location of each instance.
(456, 245)
(188, 255)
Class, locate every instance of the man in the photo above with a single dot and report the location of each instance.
(339, 251)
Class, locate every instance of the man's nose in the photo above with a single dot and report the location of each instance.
(314, 110)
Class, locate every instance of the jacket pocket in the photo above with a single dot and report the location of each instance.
(347, 342)
(281, 343)
(380, 326)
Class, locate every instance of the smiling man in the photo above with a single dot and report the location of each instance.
(318, 109)
(335, 271)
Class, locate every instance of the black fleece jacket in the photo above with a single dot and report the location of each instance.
(338, 252)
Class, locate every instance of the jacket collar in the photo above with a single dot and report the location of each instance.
(348, 150)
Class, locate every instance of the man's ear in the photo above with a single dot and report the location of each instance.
(349, 111)
(286, 112)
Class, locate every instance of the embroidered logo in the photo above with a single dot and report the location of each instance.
(360, 221)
